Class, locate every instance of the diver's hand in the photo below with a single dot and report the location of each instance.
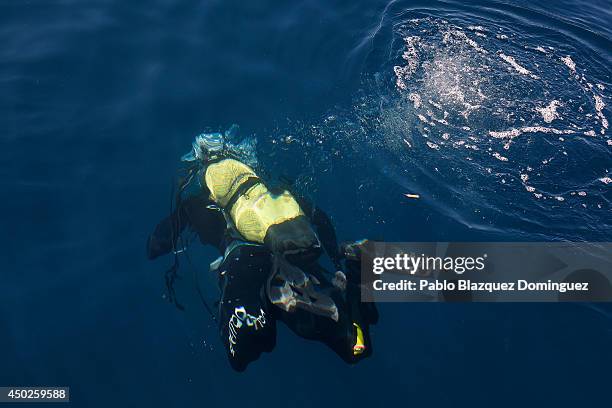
(160, 241)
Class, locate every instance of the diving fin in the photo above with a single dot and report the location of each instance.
(290, 288)
(359, 345)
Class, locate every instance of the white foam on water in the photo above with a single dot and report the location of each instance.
(416, 100)
(599, 105)
(423, 119)
(437, 105)
(444, 70)
(401, 73)
(569, 62)
(435, 119)
(411, 56)
(463, 37)
(500, 157)
(549, 113)
(505, 134)
(510, 134)
(520, 69)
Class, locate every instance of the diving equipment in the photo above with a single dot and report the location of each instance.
(205, 147)
(353, 250)
(290, 288)
(339, 280)
(251, 210)
(359, 346)
(276, 220)
(209, 147)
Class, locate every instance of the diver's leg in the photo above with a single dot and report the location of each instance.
(349, 339)
(246, 325)
(363, 314)
(352, 260)
(348, 336)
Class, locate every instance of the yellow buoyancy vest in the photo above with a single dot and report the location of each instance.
(256, 209)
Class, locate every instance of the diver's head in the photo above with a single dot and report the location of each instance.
(206, 147)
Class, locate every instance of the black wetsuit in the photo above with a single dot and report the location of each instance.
(247, 320)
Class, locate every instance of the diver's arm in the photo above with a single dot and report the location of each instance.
(325, 229)
(164, 239)
(327, 235)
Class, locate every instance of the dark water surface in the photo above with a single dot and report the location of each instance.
(99, 99)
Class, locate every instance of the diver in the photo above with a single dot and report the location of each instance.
(270, 241)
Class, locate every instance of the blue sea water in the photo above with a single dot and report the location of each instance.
(494, 112)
